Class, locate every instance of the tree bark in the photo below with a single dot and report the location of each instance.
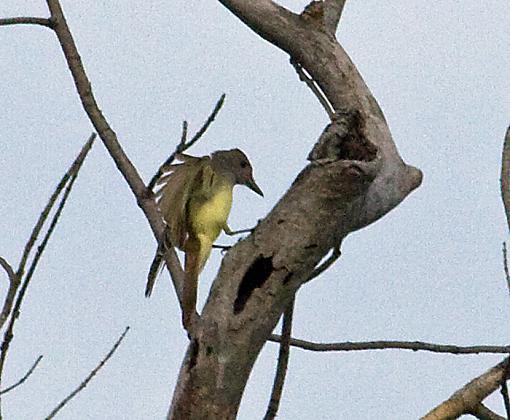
(354, 177)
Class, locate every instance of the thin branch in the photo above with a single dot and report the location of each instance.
(504, 394)
(505, 266)
(8, 269)
(46, 211)
(469, 396)
(332, 14)
(391, 344)
(144, 197)
(481, 412)
(504, 389)
(27, 375)
(505, 176)
(223, 248)
(314, 88)
(208, 122)
(72, 173)
(25, 21)
(283, 360)
(89, 377)
(184, 144)
(14, 281)
(184, 135)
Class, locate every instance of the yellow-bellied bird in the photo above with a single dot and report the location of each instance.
(195, 200)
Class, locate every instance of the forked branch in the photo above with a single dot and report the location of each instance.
(67, 181)
(184, 144)
(467, 399)
(144, 197)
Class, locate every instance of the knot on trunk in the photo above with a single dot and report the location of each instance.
(343, 139)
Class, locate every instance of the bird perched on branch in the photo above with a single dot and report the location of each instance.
(195, 200)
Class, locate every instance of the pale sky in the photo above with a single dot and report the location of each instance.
(430, 270)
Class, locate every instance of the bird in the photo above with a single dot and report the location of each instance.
(195, 198)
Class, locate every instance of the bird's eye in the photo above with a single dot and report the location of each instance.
(244, 164)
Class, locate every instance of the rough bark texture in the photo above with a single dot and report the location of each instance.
(354, 177)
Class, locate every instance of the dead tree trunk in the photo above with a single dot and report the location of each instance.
(354, 177)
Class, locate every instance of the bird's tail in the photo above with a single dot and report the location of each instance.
(197, 252)
(189, 289)
(155, 269)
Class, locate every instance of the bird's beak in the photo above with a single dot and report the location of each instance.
(252, 185)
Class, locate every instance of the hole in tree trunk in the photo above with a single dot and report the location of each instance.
(254, 278)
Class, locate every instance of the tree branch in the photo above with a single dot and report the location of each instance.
(11, 292)
(483, 413)
(505, 266)
(23, 379)
(466, 399)
(9, 271)
(70, 178)
(89, 377)
(144, 197)
(391, 344)
(283, 360)
(332, 13)
(314, 88)
(25, 21)
(184, 144)
(505, 176)
(53, 198)
(504, 389)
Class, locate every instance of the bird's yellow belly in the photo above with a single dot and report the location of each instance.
(210, 216)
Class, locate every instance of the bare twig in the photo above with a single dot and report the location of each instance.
(181, 147)
(8, 269)
(208, 122)
(89, 377)
(184, 135)
(469, 396)
(504, 394)
(223, 248)
(314, 88)
(505, 176)
(184, 144)
(483, 413)
(505, 266)
(24, 378)
(46, 211)
(283, 360)
(14, 281)
(504, 389)
(391, 344)
(72, 175)
(25, 21)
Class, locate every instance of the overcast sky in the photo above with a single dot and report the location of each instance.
(430, 270)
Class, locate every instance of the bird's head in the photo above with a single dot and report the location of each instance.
(235, 164)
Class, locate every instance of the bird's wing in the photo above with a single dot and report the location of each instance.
(176, 190)
(183, 157)
(203, 182)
